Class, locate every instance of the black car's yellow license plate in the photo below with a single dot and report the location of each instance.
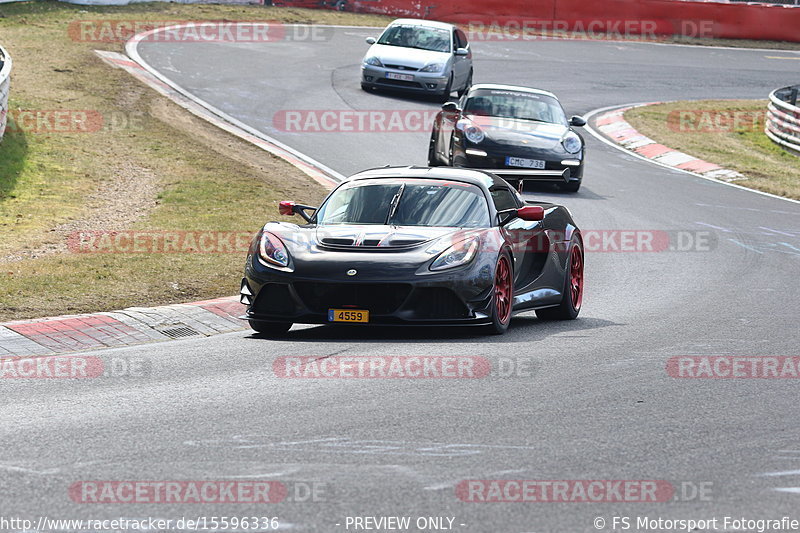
(348, 315)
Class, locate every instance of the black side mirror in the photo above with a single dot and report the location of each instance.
(371, 40)
(577, 121)
(451, 107)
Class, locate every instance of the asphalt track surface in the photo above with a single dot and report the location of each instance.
(597, 402)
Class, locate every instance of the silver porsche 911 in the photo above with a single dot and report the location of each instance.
(421, 56)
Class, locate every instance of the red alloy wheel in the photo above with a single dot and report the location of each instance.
(576, 277)
(502, 290)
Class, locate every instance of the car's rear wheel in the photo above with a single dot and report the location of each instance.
(502, 296)
(572, 297)
(269, 328)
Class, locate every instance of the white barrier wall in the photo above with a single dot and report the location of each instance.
(783, 120)
(5, 82)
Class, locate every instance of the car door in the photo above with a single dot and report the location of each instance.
(526, 238)
(461, 64)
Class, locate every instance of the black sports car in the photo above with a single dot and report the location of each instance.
(512, 132)
(415, 245)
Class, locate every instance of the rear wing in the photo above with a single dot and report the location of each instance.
(521, 175)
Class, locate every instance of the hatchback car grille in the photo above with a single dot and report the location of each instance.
(378, 298)
(401, 67)
(401, 83)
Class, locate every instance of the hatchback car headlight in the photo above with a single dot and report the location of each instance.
(572, 143)
(458, 254)
(433, 67)
(474, 134)
(374, 61)
(272, 251)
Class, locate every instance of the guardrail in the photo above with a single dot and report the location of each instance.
(783, 118)
(5, 82)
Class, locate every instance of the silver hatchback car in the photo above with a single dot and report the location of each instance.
(421, 56)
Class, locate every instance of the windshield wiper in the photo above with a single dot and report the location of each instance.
(395, 202)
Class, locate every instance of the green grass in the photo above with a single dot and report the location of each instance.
(742, 147)
(53, 183)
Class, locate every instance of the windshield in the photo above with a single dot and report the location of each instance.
(515, 105)
(406, 203)
(422, 37)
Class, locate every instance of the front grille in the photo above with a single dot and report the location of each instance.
(377, 298)
(401, 67)
(400, 83)
(335, 241)
(436, 302)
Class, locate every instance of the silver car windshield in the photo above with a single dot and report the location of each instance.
(422, 37)
(406, 203)
(515, 105)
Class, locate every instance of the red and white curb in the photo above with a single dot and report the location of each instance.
(613, 125)
(127, 327)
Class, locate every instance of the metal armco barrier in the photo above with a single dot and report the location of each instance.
(5, 83)
(783, 118)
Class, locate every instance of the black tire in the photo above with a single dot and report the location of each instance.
(270, 329)
(567, 309)
(445, 96)
(467, 85)
(571, 186)
(366, 86)
(433, 160)
(499, 324)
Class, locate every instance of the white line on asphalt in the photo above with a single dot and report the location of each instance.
(131, 47)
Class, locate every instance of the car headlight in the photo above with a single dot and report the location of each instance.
(272, 251)
(433, 67)
(474, 134)
(458, 254)
(572, 143)
(374, 61)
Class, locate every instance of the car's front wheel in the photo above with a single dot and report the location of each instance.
(433, 159)
(502, 296)
(270, 329)
(572, 296)
(445, 96)
(467, 85)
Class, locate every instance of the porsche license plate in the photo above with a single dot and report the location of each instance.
(348, 315)
(524, 163)
(395, 76)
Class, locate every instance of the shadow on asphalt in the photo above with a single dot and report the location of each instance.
(522, 329)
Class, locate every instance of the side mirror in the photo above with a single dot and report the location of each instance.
(371, 40)
(462, 52)
(288, 208)
(575, 120)
(451, 107)
(531, 213)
